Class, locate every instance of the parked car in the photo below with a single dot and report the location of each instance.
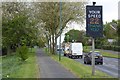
(88, 58)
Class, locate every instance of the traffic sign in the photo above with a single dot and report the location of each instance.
(94, 23)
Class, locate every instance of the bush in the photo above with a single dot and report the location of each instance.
(98, 47)
(107, 47)
(23, 52)
(4, 51)
(116, 48)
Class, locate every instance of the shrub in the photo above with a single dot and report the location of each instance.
(4, 51)
(23, 52)
(98, 47)
(116, 48)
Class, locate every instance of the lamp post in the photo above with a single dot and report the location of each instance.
(60, 32)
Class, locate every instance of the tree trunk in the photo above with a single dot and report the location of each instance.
(53, 44)
(56, 44)
(50, 45)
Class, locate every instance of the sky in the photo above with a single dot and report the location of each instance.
(110, 12)
(110, 9)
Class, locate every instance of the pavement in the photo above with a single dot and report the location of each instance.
(50, 68)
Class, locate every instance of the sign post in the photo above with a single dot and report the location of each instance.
(94, 27)
(93, 57)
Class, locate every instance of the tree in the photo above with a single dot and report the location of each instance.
(109, 31)
(19, 24)
(49, 14)
(75, 35)
(13, 22)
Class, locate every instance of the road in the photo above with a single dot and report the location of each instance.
(110, 66)
(50, 68)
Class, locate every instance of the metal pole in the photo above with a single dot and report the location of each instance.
(60, 32)
(93, 57)
(93, 49)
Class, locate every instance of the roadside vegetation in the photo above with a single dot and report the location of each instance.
(13, 67)
(80, 70)
(38, 24)
(105, 54)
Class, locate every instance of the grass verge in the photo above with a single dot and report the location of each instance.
(80, 70)
(105, 54)
(12, 67)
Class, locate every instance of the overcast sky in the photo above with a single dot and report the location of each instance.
(110, 12)
(110, 9)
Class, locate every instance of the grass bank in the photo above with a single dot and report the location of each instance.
(80, 70)
(105, 54)
(12, 67)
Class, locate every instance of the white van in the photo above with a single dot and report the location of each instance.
(76, 50)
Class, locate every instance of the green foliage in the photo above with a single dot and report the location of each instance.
(74, 35)
(118, 32)
(23, 52)
(18, 25)
(99, 42)
(109, 32)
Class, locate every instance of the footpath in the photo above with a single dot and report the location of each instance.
(50, 68)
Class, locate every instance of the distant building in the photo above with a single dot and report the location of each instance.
(119, 10)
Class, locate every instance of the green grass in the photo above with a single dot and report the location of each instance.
(110, 55)
(80, 70)
(105, 54)
(12, 67)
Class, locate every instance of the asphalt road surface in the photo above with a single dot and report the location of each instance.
(110, 66)
(50, 68)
